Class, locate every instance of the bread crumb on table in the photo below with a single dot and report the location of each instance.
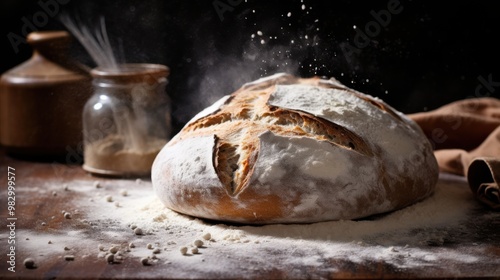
(207, 236)
(198, 243)
(69, 258)
(29, 263)
(145, 261)
(97, 185)
(109, 258)
(183, 250)
(114, 249)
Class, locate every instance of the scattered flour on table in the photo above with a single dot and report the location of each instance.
(447, 207)
(385, 237)
(410, 237)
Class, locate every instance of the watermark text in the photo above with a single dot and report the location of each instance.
(11, 218)
(39, 19)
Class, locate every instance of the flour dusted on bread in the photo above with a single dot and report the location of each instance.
(289, 150)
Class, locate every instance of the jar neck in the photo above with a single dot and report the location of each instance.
(143, 83)
(114, 87)
(132, 73)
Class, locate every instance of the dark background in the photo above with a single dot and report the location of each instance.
(428, 55)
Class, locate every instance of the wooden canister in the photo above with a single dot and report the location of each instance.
(41, 101)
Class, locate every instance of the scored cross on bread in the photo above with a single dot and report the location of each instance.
(268, 112)
(248, 116)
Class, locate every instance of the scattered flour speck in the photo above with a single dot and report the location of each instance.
(416, 236)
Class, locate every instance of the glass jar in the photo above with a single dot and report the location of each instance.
(127, 120)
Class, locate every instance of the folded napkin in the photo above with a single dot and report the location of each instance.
(466, 138)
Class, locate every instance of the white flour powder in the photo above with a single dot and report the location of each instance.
(424, 235)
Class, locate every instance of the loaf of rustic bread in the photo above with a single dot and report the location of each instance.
(289, 150)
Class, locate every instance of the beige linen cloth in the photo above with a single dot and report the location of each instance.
(466, 139)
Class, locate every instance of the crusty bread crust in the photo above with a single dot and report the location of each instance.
(289, 150)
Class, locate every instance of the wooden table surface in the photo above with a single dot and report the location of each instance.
(471, 250)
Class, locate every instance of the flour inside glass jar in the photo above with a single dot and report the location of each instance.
(127, 120)
(111, 153)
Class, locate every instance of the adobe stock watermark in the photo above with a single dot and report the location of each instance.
(11, 218)
(486, 85)
(485, 88)
(372, 29)
(222, 6)
(39, 19)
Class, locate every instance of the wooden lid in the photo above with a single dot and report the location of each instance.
(50, 61)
